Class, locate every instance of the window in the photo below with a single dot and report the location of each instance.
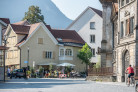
(61, 52)
(49, 54)
(122, 29)
(13, 40)
(92, 25)
(68, 52)
(92, 38)
(93, 52)
(131, 24)
(122, 2)
(40, 40)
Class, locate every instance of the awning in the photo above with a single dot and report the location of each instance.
(48, 63)
(65, 64)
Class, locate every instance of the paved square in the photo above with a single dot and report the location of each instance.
(62, 85)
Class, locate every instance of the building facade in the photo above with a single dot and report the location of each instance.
(40, 46)
(89, 26)
(126, 48)
(122, 30)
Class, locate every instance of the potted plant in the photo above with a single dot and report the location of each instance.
(28, 73)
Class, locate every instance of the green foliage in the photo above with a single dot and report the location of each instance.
(67, 69)
(50, 67)
(32, 71)
(85, 54)
(41, 70)
(98, 64)
(34, 15)
(28, 73)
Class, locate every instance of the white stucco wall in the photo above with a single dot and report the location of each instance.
(82, 26)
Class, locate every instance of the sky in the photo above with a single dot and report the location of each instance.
(72, 8)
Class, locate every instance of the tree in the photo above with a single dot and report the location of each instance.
(85, 55)
(98, 64)
(34, 15)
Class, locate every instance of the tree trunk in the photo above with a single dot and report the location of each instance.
(86, 69)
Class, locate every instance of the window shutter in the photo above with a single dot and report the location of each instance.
(54, 55)
(44, 54)
(40, 40)
(128, 26)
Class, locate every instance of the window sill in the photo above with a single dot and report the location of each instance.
(92, 28)
(128, 36)
(92, 42)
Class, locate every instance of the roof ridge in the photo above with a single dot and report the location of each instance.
(99, 12)
(63, 30)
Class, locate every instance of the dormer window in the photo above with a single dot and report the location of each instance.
(59, 39)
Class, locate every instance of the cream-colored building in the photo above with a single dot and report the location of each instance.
(41, 46)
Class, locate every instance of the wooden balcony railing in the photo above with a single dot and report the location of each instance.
(136, 73)
(100, 71)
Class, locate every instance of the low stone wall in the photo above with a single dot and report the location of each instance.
(101, 78)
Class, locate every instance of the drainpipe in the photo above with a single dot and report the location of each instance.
(20, 56)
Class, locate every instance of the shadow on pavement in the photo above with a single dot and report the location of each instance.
(37, 83)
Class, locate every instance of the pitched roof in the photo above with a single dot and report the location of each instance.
(24, 22)
(32, 28)
(96, 11)
(99, 12)
(30, 31)
(6, 20)
(20, 29)
(67, 36)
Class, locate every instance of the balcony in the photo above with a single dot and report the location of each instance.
(65, 57)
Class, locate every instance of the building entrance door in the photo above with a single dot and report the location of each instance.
(125, 63)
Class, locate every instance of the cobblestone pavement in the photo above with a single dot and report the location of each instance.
(62, 85)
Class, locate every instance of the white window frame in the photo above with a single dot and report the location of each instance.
(68, 53)
(92, 27)
(93, 52)
(91, 38)
(60, 52)
(47, 53)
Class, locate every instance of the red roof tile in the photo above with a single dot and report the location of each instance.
(67, 36)
(20, 29)
(30, 31)
(6, 20)
(24, 22)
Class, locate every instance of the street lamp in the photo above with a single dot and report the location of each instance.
(28, 59)
(4, 55)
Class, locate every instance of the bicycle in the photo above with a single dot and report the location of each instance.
(132, 80)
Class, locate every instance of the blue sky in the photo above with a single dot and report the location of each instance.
(72, 8)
